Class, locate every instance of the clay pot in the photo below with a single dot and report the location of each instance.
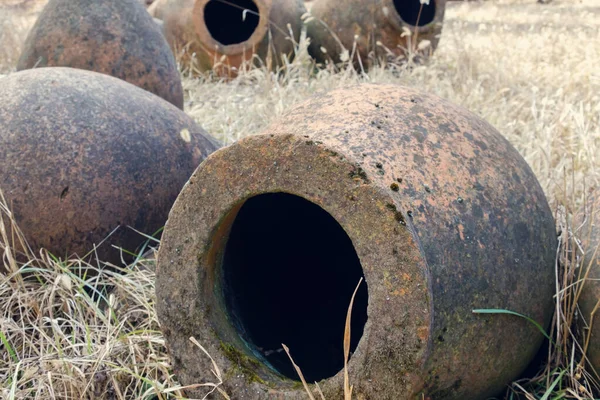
(113, 37)
(427, 202)
(221, 35)
(374, 30)
(83, 153)
(590, 295)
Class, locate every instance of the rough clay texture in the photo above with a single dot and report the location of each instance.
(83, 153)
(369, 30)
(112, 37)
(590, 295)
(198, 227)
(187, 34)
(444, 214)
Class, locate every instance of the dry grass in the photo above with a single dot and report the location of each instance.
(75, 330)
(16, 18)
(530, 70)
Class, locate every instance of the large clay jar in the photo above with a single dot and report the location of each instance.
(223, 35)
(82, 154)
(590, 295)
(113, 37)
(427, 202)
(374, 31)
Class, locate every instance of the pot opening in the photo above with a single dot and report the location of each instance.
(409, 11)
(231, 21)
(288, 274)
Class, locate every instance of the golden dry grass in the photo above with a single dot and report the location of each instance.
(16, 18)
(531, 70)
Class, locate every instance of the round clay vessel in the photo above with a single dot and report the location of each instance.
(82, 154)
(431, 205)
(374, 31)
(215, 35)
(113, 37)
(590, 294)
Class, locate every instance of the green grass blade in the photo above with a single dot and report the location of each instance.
(502, 311)
(9, 348)
(553, 385)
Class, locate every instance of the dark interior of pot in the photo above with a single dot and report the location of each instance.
(231, 21)
(414, 13)
(288, 274)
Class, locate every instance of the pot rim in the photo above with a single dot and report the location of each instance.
(214, 46)
(390, 254)
(397, 22)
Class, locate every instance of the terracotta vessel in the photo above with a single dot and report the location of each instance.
(222, 35)
(113, 37)
(374, 31)
(430, 204)
(82, 154)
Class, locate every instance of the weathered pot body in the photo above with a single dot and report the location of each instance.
(113, 37)
(438, 212)
(211, 34)
(374, 30)
(83, 153)
(590, 295)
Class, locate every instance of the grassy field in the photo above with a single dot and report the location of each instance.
(531, 70)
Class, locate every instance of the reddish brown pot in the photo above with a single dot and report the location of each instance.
(83, 153)
(429, 203)
(113, 37)
(374, 29)
(590, 295)
(209, 33)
